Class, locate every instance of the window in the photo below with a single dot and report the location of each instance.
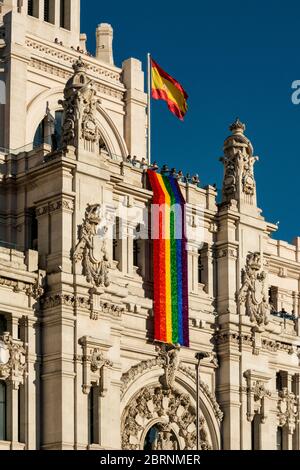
(117, 247)
(3, 324)
(49, 11)
(31, 230)
(279, 439)
(33, 8)
(255, 432)
(200, 268)
(136, 252)
(93, 415)
(49, 131)
(278, 381)
(2, 411)
(65, 14)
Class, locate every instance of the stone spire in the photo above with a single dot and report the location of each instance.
(239, 182)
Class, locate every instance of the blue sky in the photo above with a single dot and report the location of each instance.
(234, 59)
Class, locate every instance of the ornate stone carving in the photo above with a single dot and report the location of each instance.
(68, 58)
(98, 361)
(95, 365)
(256, 394)
(79, 106)
(165, 438)
(98, 306)
(172, 409)
(288, 412)
(238, 163)
(91, 249)
(34, 290)
(139, 369)
(253, 291)
(14, 366)
(66, 204)
(169, 358)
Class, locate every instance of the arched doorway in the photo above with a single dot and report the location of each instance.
(160, 418)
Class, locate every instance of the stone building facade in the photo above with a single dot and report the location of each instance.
(79, 368)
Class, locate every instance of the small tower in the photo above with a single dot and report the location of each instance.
(104, 43)
(239, 182)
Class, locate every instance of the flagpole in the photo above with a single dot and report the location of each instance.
(149, 108)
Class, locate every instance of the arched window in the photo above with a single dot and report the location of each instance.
(161, 437)
(2, 411)
(49, 131)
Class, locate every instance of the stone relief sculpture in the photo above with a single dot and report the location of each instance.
(173, 410)
(288, 411)
(165, 439)
(169, 358)
(79, 106)
(91, 249)
(257, 395)
(13, 365)
(238, 163)
(253, 291)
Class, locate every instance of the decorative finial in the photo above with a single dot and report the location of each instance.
(237, 127)
(79, 65)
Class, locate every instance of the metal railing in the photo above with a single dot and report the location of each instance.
(285, 315)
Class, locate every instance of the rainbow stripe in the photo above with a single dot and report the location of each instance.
(169, 261)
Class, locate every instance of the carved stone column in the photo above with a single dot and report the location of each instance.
(258, 397)
(61, 211)
(288, 415)
(193, 256)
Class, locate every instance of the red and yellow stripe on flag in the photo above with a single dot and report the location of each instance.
(165, 87)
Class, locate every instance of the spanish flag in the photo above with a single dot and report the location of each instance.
(165, 87)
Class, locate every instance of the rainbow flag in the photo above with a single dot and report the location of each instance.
(165, 87)
(169, 261)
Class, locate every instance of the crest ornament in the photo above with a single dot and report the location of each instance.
(253, 291)
(91, 249)
(79, 105)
